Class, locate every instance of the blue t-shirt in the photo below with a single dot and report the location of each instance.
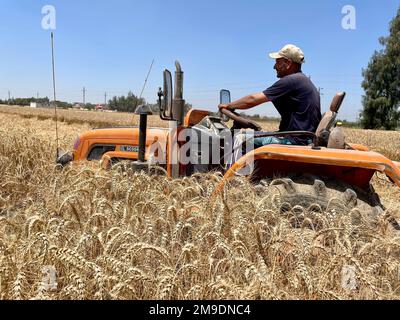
(298, 102)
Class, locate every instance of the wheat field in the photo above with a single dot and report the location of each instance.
(122, 235)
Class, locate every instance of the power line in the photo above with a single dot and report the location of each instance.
(54, 92)
(147, 78)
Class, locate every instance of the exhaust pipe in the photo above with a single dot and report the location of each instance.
(178, 110)
(178, 114)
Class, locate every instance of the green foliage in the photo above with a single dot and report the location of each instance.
(126, 104)
(45, 102)
(90, 106)
(382, 83)
(348, 124)
(63, 105)
(155, 108)
(24, 101)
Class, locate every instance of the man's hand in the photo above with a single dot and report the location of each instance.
(224, 106)
(246, 102)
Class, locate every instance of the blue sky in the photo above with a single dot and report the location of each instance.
(108, 46)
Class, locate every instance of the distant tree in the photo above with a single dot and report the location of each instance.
(26, 101)
(63, 105)
(348, 124)
(90, 106)
(125, 104)
(381, 101)
(155, 108)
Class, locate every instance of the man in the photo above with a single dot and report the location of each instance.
(294, 96)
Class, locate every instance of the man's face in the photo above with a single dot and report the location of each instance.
(282, 67)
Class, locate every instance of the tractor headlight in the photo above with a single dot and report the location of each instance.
(65, 159)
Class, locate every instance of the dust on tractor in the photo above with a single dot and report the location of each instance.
(327, 168)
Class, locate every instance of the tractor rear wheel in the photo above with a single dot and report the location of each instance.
(307, 193)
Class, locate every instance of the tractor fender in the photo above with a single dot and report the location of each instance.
(358, 147)
(321, 156)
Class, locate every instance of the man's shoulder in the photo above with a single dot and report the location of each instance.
(300, 80)
(293, 79)
(299, 76)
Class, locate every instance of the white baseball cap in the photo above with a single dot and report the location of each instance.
(290, 52)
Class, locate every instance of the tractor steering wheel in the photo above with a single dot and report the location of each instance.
(241, 121)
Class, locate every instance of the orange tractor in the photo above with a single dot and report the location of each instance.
(328, 168)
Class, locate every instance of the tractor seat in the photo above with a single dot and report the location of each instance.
(328, 121)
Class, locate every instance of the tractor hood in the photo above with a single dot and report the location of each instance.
(125, 133)
(121, 137)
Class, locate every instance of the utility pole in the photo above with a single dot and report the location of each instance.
(319, 91)
(37, 95)
(105, 99)
(84, 96)
(9, 96)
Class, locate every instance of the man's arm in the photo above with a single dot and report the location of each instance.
(247, 102)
